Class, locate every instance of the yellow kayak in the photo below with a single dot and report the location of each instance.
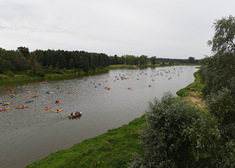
(59, 110)
(47, 108)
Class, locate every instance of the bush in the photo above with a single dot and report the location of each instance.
(222, 105)
(9, 73)
(177, 135)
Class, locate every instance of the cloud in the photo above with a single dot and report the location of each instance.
(176, 29)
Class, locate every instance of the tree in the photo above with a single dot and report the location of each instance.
(219, 78)
(24, 51)
(143, 60)
(130, 60)
(223, 40)
(153, 60)
(115, 61)
(191, 60)
(221, 66)
(35, 65)
(222, 105)
(12, 61)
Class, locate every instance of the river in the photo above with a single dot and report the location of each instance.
(107, 101)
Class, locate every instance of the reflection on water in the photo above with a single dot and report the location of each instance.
(107, 101)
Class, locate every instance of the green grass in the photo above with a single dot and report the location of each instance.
(195, 86)
(112, 149)
(122, 66)
(58, 74)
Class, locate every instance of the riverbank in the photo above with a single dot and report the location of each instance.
(19, 77)
(61, 74)
(112, 149)
(193, 92)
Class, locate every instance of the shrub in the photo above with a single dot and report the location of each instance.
(177, 135)
(9, 73)
(222, 105)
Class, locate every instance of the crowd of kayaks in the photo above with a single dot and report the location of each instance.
(6, 103)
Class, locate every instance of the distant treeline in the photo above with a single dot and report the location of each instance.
(142, 60)
(39, 62)
(168, 60)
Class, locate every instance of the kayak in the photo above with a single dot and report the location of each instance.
(22, 107)
(58, 101)
(28, 101)
(29, 92)
(10, 92)
(5, 109)
(6, 103)
(59, 110)
(75, 115)
(35, 96)
(47, 108)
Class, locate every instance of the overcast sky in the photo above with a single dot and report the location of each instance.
(162, 28)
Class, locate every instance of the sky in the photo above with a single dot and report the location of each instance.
(161, 28)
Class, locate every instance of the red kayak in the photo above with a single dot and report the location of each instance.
(58, 101)
(5, 109)
(22, 107)
(75, 115)
(10, 91)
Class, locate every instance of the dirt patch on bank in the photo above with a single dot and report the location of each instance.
(196, 98)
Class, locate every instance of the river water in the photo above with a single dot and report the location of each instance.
(107, 101)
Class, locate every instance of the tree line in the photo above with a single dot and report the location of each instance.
(39, 62)
(143, 60)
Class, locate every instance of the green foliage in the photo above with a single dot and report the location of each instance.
(222, 105)
(220, 67)
(39, 63)
(191, 60)
(24, 51)
(143, 60)
(153, 60)
(183, 92)
(177, 135)
(9, 73)
(219, 90)
(226, 157)
(12, 61)
(218, 72)
(195, 86)
(223, 40)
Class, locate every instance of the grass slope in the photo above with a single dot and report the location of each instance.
(195, 86)
(193, 92)
(112, 149)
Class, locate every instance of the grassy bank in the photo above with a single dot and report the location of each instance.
(195, 86)
(63, 74)
(193, 91)
(112, 149)
(17, 77)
